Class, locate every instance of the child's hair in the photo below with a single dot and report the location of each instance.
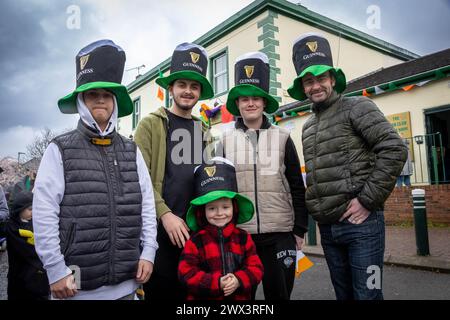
(200, 214)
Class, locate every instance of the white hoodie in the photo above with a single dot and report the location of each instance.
(48, 193)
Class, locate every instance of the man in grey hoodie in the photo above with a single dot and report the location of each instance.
(94, 212)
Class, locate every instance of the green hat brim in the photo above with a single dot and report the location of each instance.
(207, 91)
(246, 208)
(68, 104)
(296, 90)
(248, 90)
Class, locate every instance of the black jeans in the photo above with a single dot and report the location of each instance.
(164, 283)
(163, 287)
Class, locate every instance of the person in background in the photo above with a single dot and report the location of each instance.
(4, 214)
(25, 184)
(405, 175)
(27, 279)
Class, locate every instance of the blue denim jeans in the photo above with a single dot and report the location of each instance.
(403, 179)
(354, 254)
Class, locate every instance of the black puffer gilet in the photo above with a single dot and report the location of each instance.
(100, 213)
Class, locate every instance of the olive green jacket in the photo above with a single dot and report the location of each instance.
(151, 137)
(351, 151)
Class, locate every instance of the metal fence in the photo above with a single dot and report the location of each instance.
(427, 158)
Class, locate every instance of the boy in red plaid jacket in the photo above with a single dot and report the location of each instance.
(219, 261)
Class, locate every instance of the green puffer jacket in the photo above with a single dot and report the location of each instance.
(151, 138)
(351, 151)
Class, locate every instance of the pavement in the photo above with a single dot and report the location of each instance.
(401, 248)
(3, 275)
(399, 283)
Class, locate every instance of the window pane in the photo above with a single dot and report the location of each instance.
(220, 64)
(221, 83)
(136, 112)
(220, 70)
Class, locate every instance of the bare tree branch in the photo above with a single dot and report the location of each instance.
(37, 147)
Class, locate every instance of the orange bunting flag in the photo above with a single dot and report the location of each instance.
(160, 94)
(407, 88)
(203, 109)
(303, 263)
(277, 118)
(203, 115)
(365, 93)
(226, 115)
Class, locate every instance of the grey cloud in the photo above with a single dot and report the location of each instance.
(416, 25)
(37, 51)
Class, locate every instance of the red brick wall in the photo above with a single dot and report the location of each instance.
(398, 208)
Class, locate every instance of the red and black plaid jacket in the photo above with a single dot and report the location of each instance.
(213, 252)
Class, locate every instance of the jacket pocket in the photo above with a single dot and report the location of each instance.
(70, 238)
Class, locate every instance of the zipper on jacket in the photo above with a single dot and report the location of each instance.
(222, 251)
(118, 177)
(315, 155)
(255, 175)
(256, 198)
(163, 183)
(111, 275)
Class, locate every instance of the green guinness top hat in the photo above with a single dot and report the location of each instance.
(312, 54)
(99, 65)
(215, 181)
(251, 79)
(189, 61)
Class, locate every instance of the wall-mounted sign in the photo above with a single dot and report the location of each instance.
(402, 123)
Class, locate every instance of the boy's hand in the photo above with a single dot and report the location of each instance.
(299, 241)
(224, 281)
(176, 228)
(145, 269)
(64, 288)
(231, 285)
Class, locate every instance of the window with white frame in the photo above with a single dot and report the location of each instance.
(220, 73)
(136, 112)
(168, 99)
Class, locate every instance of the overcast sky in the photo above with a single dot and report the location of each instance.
(39, 41)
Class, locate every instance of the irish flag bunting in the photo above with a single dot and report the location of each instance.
(160, 94)
(407, 88)
(421, 83)
(303, 263)
(378, 90)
